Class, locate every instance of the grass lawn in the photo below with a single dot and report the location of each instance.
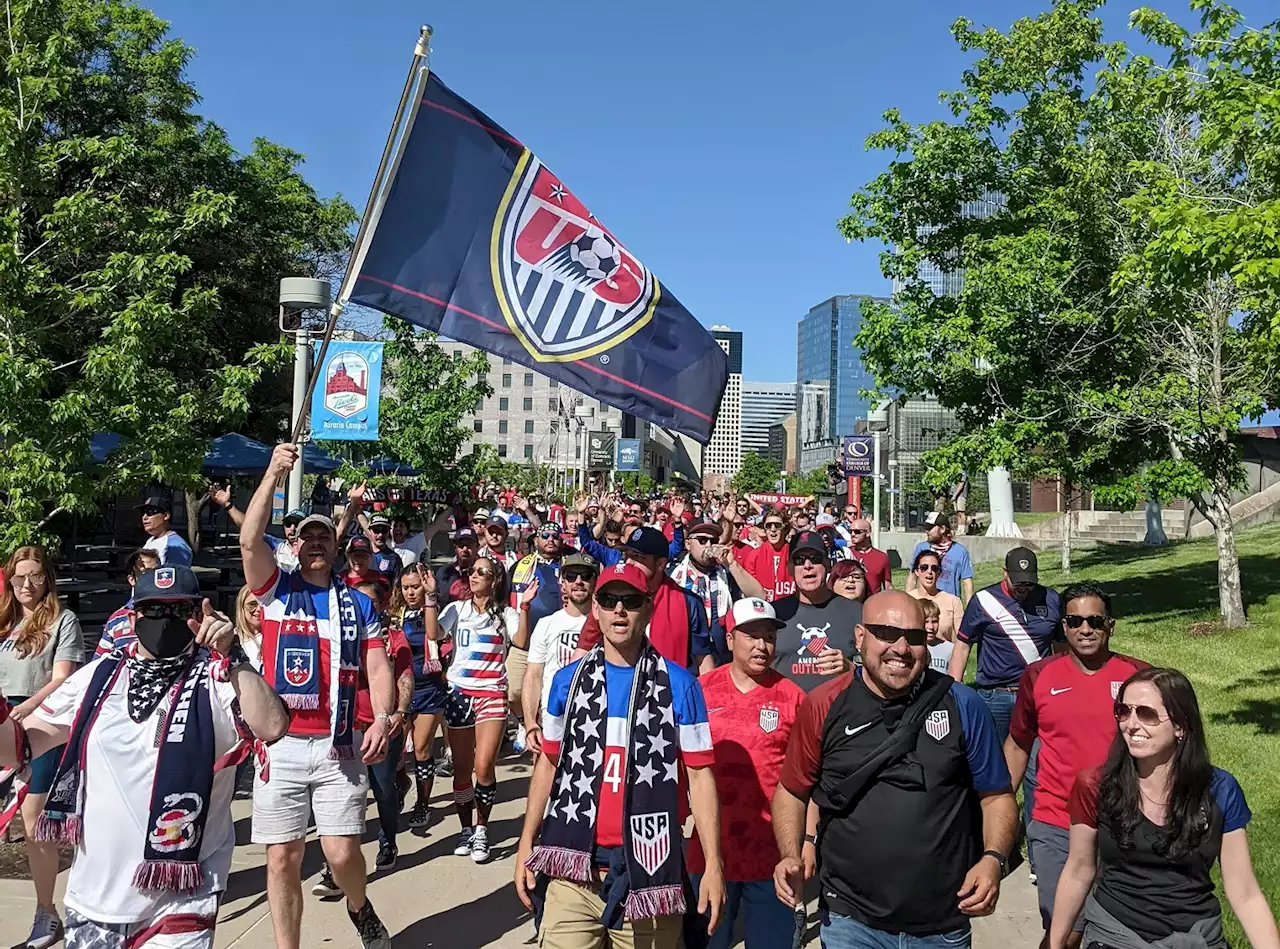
(1028, 519)
(1157, 594)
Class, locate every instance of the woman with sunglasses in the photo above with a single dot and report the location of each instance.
(769, 563)
(1147, 828)
(40, 645)
(249, 626)
(475, 710)
(849, 580)
(927, 570)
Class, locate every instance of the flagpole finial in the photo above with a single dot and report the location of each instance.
(424, 40)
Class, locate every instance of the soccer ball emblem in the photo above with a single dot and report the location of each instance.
(595, 254)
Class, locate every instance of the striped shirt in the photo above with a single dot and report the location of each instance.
(1010, 635)
(479, 646)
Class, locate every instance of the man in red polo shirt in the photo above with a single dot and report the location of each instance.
(751, 709)
(875, 563)
(1066, 701)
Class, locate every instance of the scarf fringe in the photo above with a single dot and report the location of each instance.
(655, 901)
(69, 828)
(294, 700)
(561, 863)
(178, 876)
(340, 753)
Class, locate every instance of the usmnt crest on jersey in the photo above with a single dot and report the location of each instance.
(938, 724)
(299, 666)
(567, 287)
(1115, 689)
(769, 718)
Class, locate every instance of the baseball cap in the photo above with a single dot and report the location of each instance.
(1022, 566)
(624, 572)
(465, 535)
(316, 519)
(751, 609)
(175, 582)
(810, 541)
(551, 527)
(158, 501)
(647, 541)
(497, 521)
(593, 502)
(359, 543)
(826, 520)
(582, 561)
(294, 517)
(379, 520)
(704, 530)
(937, 519)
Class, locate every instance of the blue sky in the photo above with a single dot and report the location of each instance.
(719, 140)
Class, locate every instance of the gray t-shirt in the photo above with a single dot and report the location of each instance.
(810, 629)
(25, 677)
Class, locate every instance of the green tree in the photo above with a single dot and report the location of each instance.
(814, 483)
(755, 474)
(139, 260)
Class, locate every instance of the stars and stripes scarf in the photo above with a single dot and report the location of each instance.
(183, 781)
(710, 586)
(651, 828)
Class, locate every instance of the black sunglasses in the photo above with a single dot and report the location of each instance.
(573, 574)
(858, 530)
(630, 601)
(891, 634)
(1072, 621)
(928, 568)
(798, 560)
(774, 526)
(1146, 714)
(152, 511)
(176, 609)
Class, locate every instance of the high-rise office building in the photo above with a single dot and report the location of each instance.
(763, 404)
(723, 454)
(829, 377)
(943, 281)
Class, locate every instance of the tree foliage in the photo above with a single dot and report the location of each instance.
(755, 474)
(139, 259)
(1115, 220)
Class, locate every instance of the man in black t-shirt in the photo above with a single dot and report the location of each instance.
(817, 642)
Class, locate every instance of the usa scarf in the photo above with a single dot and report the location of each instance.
(295, 674)
(651, 827)
(183, 781)
(710, 586)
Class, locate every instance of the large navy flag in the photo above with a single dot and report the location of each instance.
(481, 242)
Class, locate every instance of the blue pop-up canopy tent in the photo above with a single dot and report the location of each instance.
(387, 465)
(235, 454)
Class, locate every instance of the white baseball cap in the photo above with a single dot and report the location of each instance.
(826, 520)
(751, 609)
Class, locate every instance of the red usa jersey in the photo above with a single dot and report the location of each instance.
(772, 568)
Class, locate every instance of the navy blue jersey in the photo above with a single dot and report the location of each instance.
(1010, 635)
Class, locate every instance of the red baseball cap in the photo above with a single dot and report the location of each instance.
(624, 572)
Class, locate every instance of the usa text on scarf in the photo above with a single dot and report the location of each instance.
(651, 828)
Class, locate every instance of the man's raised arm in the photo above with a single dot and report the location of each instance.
(259, 561)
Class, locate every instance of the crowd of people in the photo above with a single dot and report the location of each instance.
(752, 667)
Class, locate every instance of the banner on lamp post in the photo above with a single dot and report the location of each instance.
(345, 401)
(600, 450)
(856, 458)
(628, 454)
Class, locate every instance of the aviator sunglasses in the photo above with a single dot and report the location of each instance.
(1146, 714)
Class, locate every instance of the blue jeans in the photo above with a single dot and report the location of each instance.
(382, 779)
(767, 922)
(1000, 704)
(841, 932)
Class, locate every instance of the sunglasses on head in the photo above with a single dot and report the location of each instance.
(928, 568)
(891, 634)
(178, 609)
(1072, 621)
(808, 559)
(1146, 714)
(630, 601)
(575, 574)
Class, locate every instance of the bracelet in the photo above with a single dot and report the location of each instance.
(383, 716)
(810, 839)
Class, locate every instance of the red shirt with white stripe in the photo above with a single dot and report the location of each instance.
(479, 646)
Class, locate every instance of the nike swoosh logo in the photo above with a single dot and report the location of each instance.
(1059, 691)
(720, 709)
(861, 728)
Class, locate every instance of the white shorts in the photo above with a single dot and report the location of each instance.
(186, 924)
(304, 779)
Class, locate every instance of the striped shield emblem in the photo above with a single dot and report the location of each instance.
(651, 840)
(938, 724)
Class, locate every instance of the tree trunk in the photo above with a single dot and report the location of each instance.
(1230, 600)
(1156, 536)
(1066, 542)
(193, 518)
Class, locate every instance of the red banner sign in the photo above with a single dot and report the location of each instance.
(790, 500)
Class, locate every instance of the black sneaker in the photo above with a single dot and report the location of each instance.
(324, 887)
(387, 854)
(373, 935)
(444, 766)
(421, 815)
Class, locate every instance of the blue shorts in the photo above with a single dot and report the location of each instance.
(44, 769)
(429, 700)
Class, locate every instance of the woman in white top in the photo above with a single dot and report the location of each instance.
(928, 568)
(40, 645)
(249, 626)
(482, 627)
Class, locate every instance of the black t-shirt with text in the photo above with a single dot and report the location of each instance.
(810, 629)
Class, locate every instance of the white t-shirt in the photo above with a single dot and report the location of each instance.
(170, 548)
(120, 768)
(940, 655)
(408, 554)
(479, 646)
(552, 644)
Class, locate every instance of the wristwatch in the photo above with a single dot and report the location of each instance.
(1000, 859)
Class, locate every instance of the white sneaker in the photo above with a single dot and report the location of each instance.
(46, 929)
(464, 843)
(480, 845)
(520, 744)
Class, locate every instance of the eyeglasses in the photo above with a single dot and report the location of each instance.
(774, 526)
(32, 579)
(635, 512)
(481, 572)
(807, 559)
(1146, 714)
(631, 602)
(576, 575)
(179, 609)
(928, 568)
(1073, 621)
(891, 634)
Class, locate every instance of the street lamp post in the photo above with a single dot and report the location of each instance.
(297, 295)
(878, 422)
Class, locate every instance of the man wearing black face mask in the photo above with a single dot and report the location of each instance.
(1014, 623)
(155, 727)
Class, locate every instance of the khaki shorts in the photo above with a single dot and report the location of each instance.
(517, 662)
(305, 779)
(571, 920)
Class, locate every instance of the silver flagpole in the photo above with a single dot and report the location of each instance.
(406, 113)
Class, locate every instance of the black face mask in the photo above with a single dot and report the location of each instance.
(164, 638)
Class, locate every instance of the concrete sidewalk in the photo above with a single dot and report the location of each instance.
(433, 898)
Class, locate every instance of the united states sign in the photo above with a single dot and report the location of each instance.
(481, 242)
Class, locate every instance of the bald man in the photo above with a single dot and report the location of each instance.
(916, 804)
(875, 563)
